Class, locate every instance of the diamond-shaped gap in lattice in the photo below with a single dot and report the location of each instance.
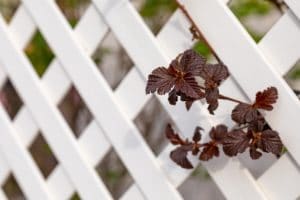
(75, 111)
(10, 99)
(12, 189)
(257, 167)
(114, 174)
(256, 16)
(151, 122)
(39, 53)
(75, 196)
(292, 77)
(112, 60)
(42, 155)
(8, 8)
(155, 12)
(206, 187)
(73, 9)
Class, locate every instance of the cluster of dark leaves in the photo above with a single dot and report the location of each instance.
(246, 113)
(179, 80)
(253, 134)
(256, 138)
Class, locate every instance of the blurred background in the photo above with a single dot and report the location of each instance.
(257, 16)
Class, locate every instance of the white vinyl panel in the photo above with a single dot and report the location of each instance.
(51, 122)
(130, 39)
(22, 165)
(281, 180)
(57, 84)
(128, 143)
(173, 42)
(173, 25)
(248, 66)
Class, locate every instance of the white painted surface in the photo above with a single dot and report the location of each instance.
(154, 177)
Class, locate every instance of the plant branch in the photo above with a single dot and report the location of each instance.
(230, 99)
(195, 28)
(279, 5)
(223, 97)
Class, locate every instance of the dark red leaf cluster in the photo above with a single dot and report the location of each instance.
(213, 75)
(180, 80)
(206, 151)
(257, 140)
(246, 113)
(238, 141)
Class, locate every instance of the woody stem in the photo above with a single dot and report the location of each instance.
(223, 97)
(230, 99)
(199, 33)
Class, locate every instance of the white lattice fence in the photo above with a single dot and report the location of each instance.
(253, 67)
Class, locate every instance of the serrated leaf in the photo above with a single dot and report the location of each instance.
(266, 98)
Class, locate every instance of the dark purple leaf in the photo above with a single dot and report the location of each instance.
(179, 156)
(244, 113)
(180, 75)
(235, 142)
(254, 154)
(218, 133)
(271, 142)
(266, 98)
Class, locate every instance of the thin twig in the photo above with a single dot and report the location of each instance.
(199, 33)
(279, 5)
(223, 97)
(230, 99)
